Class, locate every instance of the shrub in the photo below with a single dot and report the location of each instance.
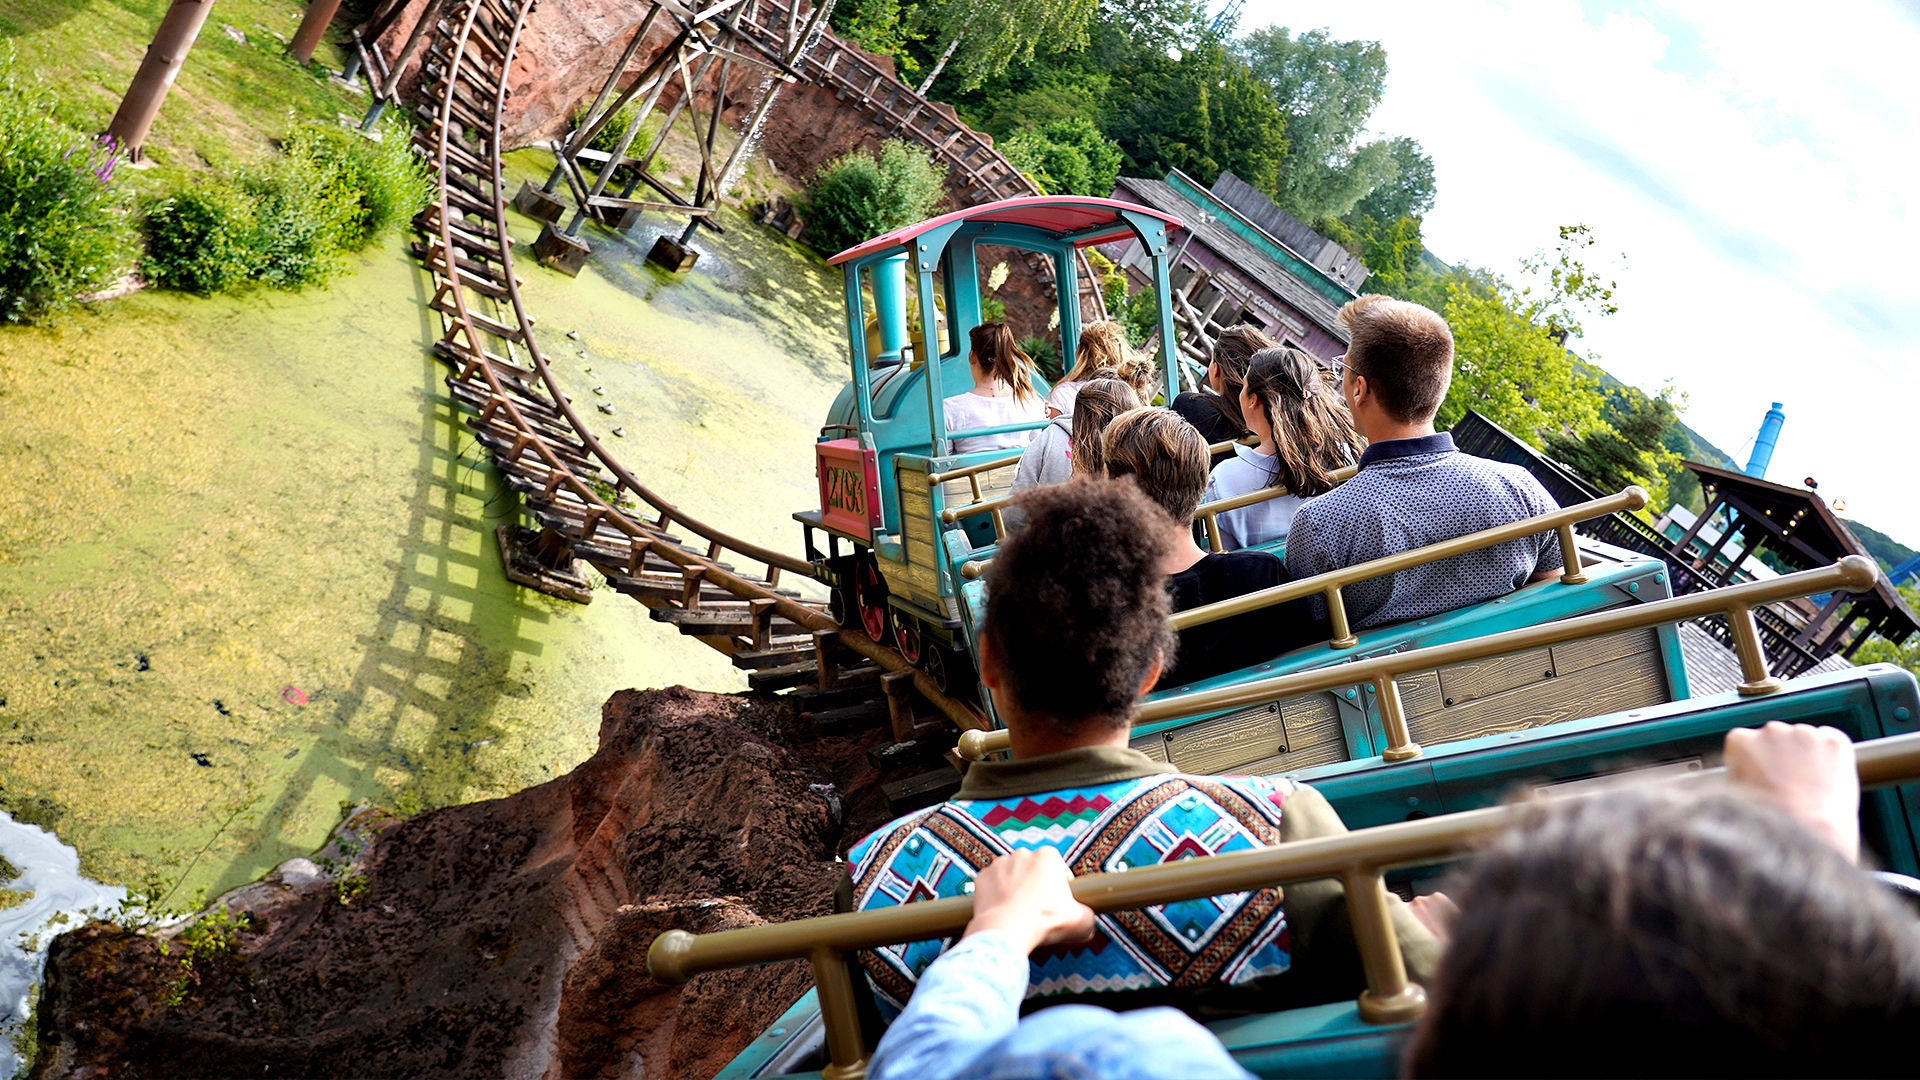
(385, 182)
(290, 223)
(1066, 157)
(201, 240)
(860, 196)
(62, 231)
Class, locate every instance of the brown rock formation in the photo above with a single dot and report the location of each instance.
(501, 938)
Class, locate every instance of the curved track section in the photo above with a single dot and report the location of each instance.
(716, 587)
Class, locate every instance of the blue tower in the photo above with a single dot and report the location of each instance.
(1763, 443)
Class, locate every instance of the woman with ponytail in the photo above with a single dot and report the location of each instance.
(1305, 436)
(1103, 353)
(1002, 392)
(1216, 411)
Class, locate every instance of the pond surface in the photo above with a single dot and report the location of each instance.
(247, 568)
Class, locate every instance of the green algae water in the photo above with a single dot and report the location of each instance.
(247, 568)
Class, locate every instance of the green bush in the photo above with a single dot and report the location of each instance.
(63, 233)
(1066, 157)
(290, 223)
(860, 196)
(201, 240)
(385, 181)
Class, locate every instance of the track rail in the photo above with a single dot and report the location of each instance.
(586, 501)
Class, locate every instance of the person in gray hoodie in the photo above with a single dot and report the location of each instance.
(1070, 445)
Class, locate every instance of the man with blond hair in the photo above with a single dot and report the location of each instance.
(1414, 487)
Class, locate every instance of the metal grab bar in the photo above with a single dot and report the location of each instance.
(1357, 858)
(974, 469)
(1330, 583)
(955, 513)
(1855, 573)
(1209, 513)
(1630, 498)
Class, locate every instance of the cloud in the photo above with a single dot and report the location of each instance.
(1754, 163)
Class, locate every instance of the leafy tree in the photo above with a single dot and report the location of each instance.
(1066, 157)
(1879, 650)
(1391, 250)
(983, 36)
(876, 26)
(1567, 291)
(1053, 95)
(1408, 192)
(1326, 90)
(1628, 448)
(858, 196)
(1200, 112)
(1509, 368)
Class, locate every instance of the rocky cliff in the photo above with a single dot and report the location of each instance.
(501, 938)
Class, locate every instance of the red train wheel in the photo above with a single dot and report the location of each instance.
(907, 638)
(870, 595)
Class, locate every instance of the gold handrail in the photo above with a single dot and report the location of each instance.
(1855, 573)
(974, 469)
(1209, 513)
(1562, 520)
(955, 513)
(1357, 858)
(1330, 583)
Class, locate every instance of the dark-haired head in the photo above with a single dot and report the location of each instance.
(1657, 932)
(999, 358)
(1404, 351)
(1096, 406)
(1232, 351)
(1312, 434)
(1077, 610)
(1163, 454)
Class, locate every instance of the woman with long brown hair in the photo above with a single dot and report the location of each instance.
(1305, 436)
(1002, 393)
(1216, 411)
(1103, 353)
(1073, 446)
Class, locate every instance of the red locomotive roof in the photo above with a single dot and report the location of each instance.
(1057, 214)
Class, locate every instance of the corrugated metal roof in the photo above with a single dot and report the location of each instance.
(1236, 250)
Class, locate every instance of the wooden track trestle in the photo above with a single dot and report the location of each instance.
(568, 480)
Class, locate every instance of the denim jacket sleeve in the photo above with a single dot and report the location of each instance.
(967, 1001)
(963, 1023)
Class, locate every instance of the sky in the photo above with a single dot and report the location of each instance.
(1752, 173)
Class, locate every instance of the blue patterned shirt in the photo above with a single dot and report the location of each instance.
(1099, 827)
(1410, 493)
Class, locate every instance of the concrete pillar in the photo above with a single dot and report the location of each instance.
(171, 43)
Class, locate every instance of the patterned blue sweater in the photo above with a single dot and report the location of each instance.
(1099, 827)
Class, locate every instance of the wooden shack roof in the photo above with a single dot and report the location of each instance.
(1238, 251)
(1808, 533)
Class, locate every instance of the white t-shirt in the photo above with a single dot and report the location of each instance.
(1250, 470)
(1060, 398)
(970, 410)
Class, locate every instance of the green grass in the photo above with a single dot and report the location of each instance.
(231, 99)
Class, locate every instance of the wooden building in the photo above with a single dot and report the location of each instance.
(1229, 268)
(1795, 524)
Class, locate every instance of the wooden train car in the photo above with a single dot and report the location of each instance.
(1416, 811)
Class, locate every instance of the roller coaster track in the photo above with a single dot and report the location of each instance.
(586, 501)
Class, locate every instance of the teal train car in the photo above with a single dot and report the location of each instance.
(904, 525)
(1412, 731)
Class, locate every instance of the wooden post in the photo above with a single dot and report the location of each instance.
(1684, 545)
(828, 665)
(148, 91)
(313, 27)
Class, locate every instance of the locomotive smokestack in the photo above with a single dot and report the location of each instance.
(1763, 443)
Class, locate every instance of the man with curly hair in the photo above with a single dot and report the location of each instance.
(1076, 632)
